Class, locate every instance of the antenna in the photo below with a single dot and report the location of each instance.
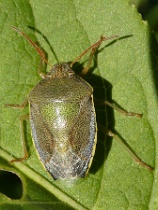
(40, 52)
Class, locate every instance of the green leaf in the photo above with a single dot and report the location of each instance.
(115, 181)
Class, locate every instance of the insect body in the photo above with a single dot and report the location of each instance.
(63, 120)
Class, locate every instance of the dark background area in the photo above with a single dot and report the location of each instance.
(149, 11)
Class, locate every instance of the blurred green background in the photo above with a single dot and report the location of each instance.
(149, 11)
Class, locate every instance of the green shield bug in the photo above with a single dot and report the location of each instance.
(63, 118)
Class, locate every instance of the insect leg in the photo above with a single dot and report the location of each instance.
(22, 134)
(120, 139)
(126, 146)
(121, 110)
(19, 106)
(86, 69)
(93, 49)
(129, 150)
(40, 72)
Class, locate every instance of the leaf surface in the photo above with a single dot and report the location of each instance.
(129, 64)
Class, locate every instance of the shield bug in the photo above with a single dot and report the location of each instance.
(63, 118)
